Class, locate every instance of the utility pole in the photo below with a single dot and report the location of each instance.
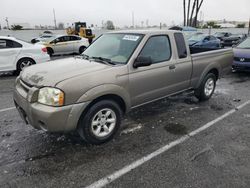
(54, 18)
(7, 22)
(133, 19)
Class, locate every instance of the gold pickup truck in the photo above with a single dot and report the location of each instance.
(116, 73)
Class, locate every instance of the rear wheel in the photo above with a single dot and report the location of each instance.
(101, 122)
(50, 51)
(23, 63)
(206, 88)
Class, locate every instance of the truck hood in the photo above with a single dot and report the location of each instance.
(53, 72)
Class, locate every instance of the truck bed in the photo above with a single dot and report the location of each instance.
(222, 59)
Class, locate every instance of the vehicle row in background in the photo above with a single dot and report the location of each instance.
(222, 35)
(16, 54)
(201, 40)
(233, 40)
(44, 36)
(65, 44)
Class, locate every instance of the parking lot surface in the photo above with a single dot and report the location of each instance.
(215, 157)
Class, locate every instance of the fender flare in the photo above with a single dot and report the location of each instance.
(106, 89)
(209, 68)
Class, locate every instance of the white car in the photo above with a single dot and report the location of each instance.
(16, 54)
(65, 44)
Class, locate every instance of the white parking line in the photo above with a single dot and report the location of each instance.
(7, 109)
(112, 177)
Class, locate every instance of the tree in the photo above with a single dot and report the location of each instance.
(16, 27)
(184, 8)
(191, 19)
(241, 25)
(110, 25)
(189, 3)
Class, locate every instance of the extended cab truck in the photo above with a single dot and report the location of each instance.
(118, 72)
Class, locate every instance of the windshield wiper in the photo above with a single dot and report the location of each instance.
(84, 56)
(103, 60)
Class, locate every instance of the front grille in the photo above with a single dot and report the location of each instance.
(241, 59)
(24, 86)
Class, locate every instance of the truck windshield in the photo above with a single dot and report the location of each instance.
(117, 47)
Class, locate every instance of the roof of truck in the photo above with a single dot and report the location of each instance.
(148, 31)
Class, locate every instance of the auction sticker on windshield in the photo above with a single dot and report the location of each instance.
(131, 37)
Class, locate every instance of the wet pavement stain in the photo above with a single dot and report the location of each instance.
(216, 107)
(176, 128)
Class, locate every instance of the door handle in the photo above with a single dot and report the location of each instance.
(171, 67)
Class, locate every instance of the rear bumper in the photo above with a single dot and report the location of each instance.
(241, 66)
(42, 59)
(52, 119)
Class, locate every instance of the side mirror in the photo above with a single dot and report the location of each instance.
(142, 62)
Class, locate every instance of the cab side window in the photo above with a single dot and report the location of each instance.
(158, 48)
(181, 45)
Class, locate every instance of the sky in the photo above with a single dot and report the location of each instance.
(119, 11)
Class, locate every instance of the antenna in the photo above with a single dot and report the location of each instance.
(54, 18)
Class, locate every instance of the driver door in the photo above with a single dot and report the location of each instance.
(155, 81)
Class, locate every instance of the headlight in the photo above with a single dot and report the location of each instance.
(51, 96)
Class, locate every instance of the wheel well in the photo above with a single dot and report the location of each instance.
(23, 59)
(112, 97)
(50, 49)
(215, 72)
(82, 47)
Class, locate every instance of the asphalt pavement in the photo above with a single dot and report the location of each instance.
(218, 156)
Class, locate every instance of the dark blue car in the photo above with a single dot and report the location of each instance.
(242, 56)
(204, 41)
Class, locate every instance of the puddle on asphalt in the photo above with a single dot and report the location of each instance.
(176, 128)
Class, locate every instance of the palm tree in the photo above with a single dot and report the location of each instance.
(192, 13)
(188, 24)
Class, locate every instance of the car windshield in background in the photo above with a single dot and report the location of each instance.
(245, 44)
(197, 37)
(116, 47)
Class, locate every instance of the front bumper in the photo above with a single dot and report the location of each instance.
(241, 66)
(52, 119)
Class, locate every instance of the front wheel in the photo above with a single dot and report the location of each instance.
(206, 88)
(82, 49)
(101, 122)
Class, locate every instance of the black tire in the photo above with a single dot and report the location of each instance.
(82, 49)
(201, 93)
(90, 41)
(50, 51)
(19, 66)
(86, 129)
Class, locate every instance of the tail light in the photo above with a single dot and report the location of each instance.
(44, 50)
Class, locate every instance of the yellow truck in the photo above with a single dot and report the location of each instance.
(80, 29)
